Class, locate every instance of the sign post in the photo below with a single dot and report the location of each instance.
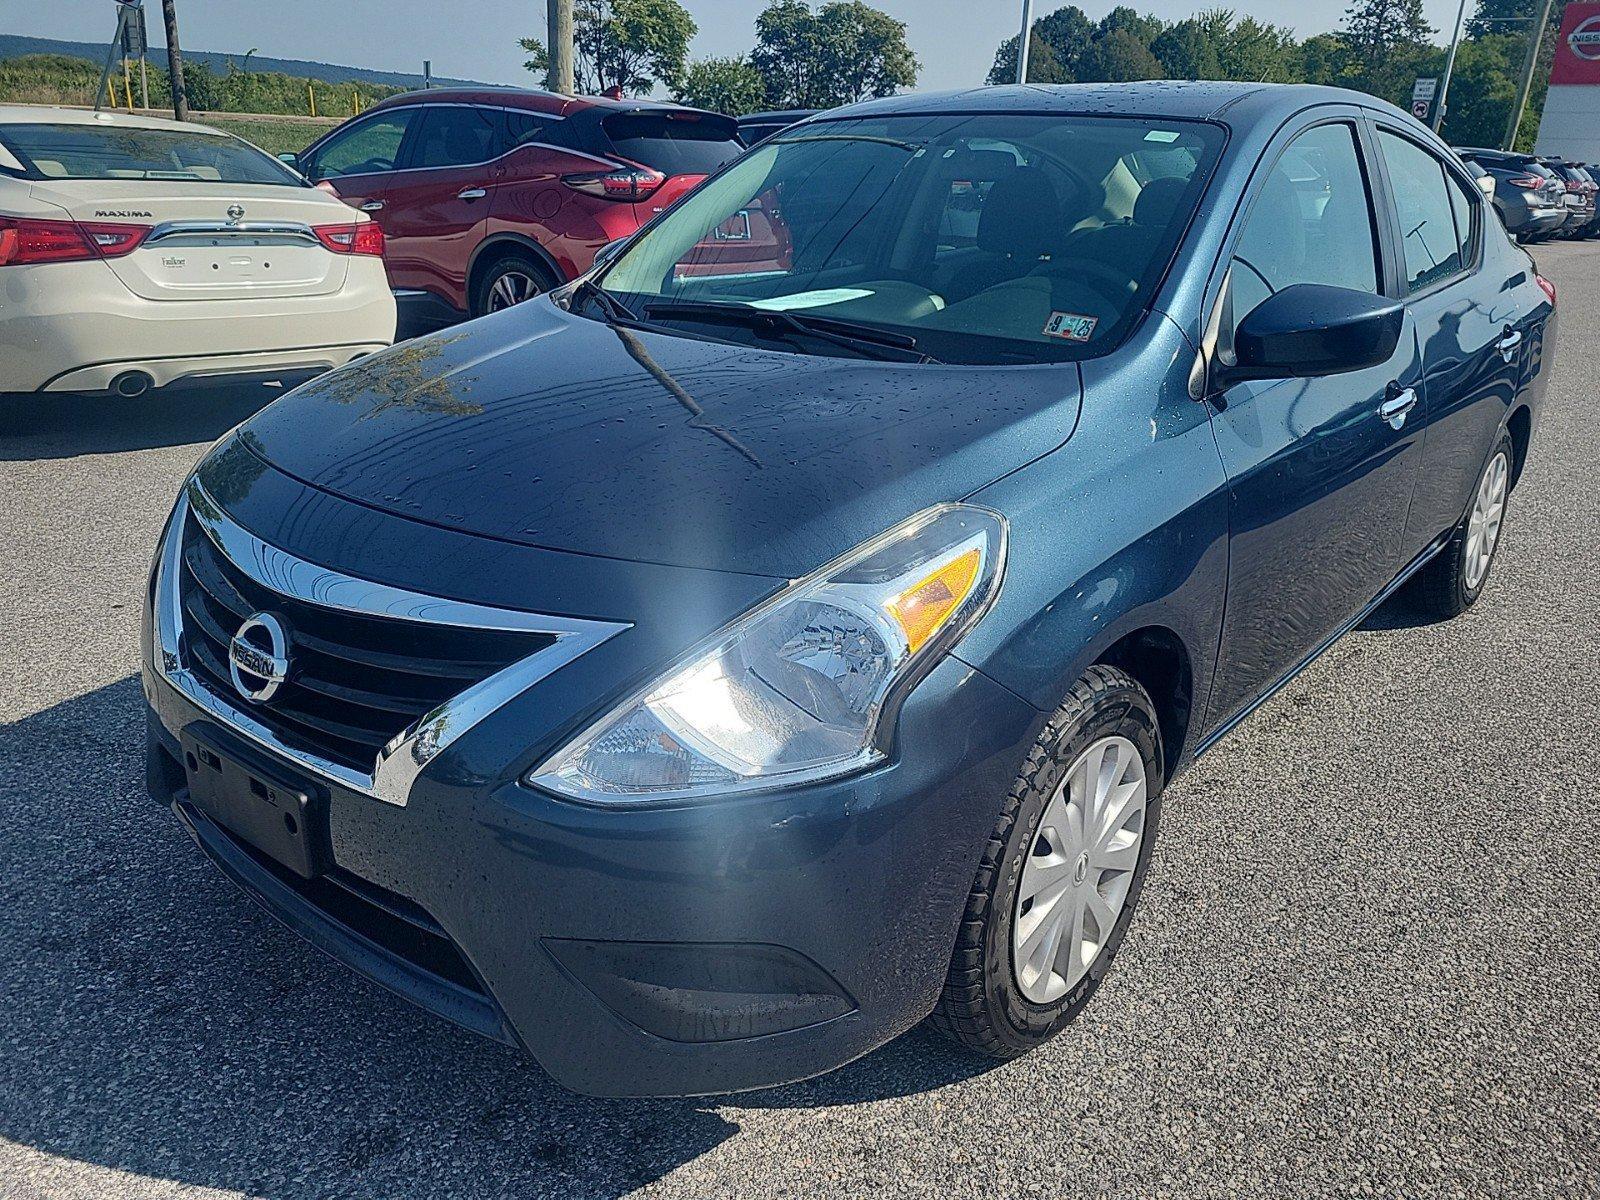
(118, 41)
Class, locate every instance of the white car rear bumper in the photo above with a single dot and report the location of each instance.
(73, 327)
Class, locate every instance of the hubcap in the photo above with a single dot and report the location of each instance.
(514, 287)
(1076, 877)
(1483, 526)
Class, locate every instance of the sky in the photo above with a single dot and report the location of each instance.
(477, 39)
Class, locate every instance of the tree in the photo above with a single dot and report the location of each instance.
(1186, 51)
(1143, 30)
(628, 44)
(180, 96)
(1257, 52)
(1043, 65)
(843, 52)
(1325, 59)
(1118, 57)
(727, 85)
(538, 60)
(1385, 39)
(1067, 31)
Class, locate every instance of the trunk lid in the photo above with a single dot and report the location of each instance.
(213, 241)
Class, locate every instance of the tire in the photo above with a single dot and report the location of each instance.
(1458, 574)
(507, 282)
(991, 1002)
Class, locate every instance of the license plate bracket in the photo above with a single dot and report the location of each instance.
(281, 816)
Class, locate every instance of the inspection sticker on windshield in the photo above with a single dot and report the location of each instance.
(1073, 326)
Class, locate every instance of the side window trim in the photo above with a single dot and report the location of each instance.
(1391, 216)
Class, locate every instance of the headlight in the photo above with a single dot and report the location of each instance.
(794, 690)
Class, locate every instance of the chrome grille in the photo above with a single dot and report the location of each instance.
(357, 681)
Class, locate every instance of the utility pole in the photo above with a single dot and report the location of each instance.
(1449, 69)
(180, 94)
(1535, 44)
(1023, 39)
(561, 76)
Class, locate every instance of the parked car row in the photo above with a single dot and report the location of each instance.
(1540, 198)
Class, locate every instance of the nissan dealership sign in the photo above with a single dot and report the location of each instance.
(1570, 126)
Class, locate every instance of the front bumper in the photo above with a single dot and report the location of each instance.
(67, 329)
(734, 945)
(714, 947)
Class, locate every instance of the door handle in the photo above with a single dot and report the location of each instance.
(1398, 406)
(372, 206)
(471, 194)
(1508, 344)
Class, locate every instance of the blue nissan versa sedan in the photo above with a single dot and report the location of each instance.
(700, 675)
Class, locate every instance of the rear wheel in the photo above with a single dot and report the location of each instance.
(513, 279)
(1061, 873)
(1458, 574)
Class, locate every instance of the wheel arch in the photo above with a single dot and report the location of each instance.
(1520, 426)
(497, 247)
(1156, 656)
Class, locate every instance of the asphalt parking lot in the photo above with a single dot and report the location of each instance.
(1367, 961)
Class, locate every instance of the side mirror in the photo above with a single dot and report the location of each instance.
(1313, 329)
(291, 161)
(1486, 185)
(607, 254)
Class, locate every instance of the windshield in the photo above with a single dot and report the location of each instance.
(989, 238)
(112, 152)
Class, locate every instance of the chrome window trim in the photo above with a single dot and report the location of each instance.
(402, 760)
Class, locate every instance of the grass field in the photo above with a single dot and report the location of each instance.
(275, 135)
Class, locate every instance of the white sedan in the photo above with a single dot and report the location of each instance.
(135, 253)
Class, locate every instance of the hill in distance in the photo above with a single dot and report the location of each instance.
(16, 45)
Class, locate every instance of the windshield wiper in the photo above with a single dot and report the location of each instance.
(616, 312)
(863, 339)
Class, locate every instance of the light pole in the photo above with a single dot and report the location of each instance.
(1023, 39)
(1535, 44)
(1449, 69)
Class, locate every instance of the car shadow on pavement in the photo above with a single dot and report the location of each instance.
(64, 426)
(157, 1023)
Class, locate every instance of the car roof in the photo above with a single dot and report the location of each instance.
(782, 114)
(532, 99)
(35, 114)
(1203, 100)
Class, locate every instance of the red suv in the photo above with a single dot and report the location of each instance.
(489, 196)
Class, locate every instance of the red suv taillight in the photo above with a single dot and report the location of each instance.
(628, 184)
(1548, 288)
(364, 238)
(26, 242)
(1528, 183)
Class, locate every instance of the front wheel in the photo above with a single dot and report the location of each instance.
(1458, 574)
(1061, 872)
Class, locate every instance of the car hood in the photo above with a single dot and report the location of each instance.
(546, 429)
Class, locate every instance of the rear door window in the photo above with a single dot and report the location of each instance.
(675, 143)
(1427, 221)
(455, 135)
